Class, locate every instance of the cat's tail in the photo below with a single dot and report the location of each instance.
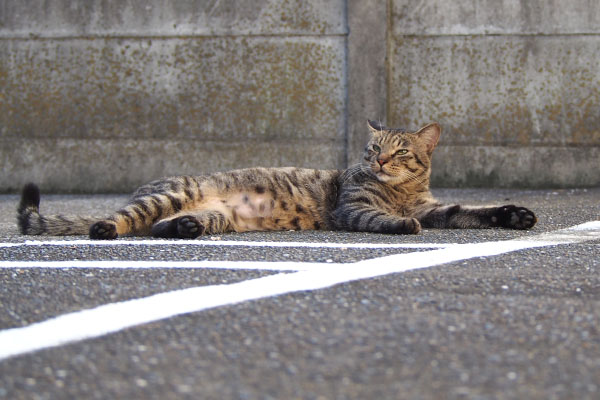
(32, 223)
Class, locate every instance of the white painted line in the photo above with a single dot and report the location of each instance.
(119, 264)
(178, 242)
(114, 317)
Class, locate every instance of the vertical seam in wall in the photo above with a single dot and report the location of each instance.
(388, 67)
(345, 71)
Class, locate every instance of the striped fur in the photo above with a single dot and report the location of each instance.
(387, 193)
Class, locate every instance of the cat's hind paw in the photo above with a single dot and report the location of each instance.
(103, 230)
(513, 217)
(185, 227)
(189, 227)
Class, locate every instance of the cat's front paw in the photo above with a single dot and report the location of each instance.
(408, 226)
(513, 217)
(415, 226)
(103, 230)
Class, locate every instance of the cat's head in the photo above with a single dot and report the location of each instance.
(396, 156)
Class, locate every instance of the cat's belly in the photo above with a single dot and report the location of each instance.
(250, 211)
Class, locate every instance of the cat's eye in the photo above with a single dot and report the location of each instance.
(401, 152)
(376, 148)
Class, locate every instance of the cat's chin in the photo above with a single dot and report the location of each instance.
(383, 177)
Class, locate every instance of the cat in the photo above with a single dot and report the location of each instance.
(388, 192)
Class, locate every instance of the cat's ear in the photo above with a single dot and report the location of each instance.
(430, 135)
(375, 127)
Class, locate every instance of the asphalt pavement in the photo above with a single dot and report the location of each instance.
(514, 324)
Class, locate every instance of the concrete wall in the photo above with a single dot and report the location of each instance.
(101, 96)
(515, 84)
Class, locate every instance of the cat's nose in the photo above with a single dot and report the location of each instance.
(381, 161)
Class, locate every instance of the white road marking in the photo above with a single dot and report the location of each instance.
(114, 317)
(247, 265)
(178, 242)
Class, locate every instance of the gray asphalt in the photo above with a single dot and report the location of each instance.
(523, 325)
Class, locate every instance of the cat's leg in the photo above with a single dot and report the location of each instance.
(456, 216)
(190, 225)
(138, 216)
(363, 218)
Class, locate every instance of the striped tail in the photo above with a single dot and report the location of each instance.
(32, 223)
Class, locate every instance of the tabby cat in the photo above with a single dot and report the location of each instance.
(388, 192)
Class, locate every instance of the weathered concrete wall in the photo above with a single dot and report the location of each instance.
(103, 95)
(515, 84)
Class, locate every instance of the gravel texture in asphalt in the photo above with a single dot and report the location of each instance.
(519, 325)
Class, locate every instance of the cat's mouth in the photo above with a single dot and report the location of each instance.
(380, 173)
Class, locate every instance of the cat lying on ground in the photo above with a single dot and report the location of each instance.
(388, 192)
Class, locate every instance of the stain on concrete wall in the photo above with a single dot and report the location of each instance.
(499, 91)
(218, 88)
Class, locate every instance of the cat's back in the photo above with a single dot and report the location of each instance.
(292, 181)
(295, 181)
